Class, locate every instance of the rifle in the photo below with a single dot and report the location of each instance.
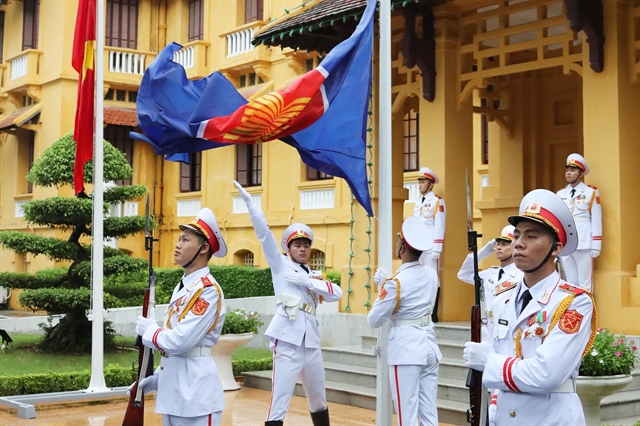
(134, 416)
(477, 413)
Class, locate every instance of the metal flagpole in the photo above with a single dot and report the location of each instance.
(385, 231)
(97, 383)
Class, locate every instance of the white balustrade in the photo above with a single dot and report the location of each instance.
(239, 42)
(19, 67)
(317, 199)
(126, 62)
(130, 208)
(188, 207)
(185, 57)
(240, 207)
(414, 191)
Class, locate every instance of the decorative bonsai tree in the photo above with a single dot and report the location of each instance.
(67, 290)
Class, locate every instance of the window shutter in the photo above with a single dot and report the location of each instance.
(242, 152)
(185, 178)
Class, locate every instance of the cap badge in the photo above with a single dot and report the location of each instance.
(534, 208)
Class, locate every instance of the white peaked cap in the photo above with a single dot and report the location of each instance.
(507, 233)
(547, 208)
(293, 232)
(427, 173)
(577, 160)
(416, 235)
(206, 225)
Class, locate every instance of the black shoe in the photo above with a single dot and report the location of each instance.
(273, 423)
(321, 418)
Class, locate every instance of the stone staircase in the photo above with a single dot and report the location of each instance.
(351, 378)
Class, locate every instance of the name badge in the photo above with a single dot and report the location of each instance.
(503, 322)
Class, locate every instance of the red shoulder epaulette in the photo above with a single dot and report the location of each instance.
(592, 187)
(206, 282)
(572, 289)
(438, 197)
(501, 288)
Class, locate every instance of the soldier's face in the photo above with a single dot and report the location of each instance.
(424, 185)
(504, 250)
(531, 244)
(300, 250)
(572, 174)
(187, 246)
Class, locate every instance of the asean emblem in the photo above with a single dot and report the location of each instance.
(200, 307)
(570, 322)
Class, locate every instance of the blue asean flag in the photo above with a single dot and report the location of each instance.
(323, 114)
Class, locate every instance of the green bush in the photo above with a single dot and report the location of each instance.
(114, 375)
(241, 321)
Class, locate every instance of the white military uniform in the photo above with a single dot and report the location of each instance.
(413, 353)
(431, 210)
(538, 353)
(188, 383)
(587, 213)
(490, 281)
(295, 344)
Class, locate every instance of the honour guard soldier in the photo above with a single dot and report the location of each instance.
(584, 203)
(405, 299)
(542, 329)
(430, 208)
(293, 333)
(189, 390)
(496, 277)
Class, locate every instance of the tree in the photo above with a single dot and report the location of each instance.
(67, 290)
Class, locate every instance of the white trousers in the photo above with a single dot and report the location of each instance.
(579, 269)
(414, 389)
(212, 419)
(289, 363)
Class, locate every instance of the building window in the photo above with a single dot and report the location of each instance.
(252, 10)
(317, 260)
(484, 138)
(249, 164)
(120, 139)
(411, 141)
(313, 174)
(31, 158)
(190, 173)
(122, 24)
(249, 79)
(247, 259)
(196, 11)
(1, 37)
(30, 24)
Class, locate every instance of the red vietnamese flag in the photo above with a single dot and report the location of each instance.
(83, 61)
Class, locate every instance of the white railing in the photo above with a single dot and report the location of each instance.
(188, 207)
(19, 212)
(414, 191)
(239, 42)
(185, 57)
(318, 199)
(126, 62)
(130, 208)
(240, 207)
(19, 67)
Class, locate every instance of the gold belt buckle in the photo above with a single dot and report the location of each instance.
(163, 353)
(307, 308)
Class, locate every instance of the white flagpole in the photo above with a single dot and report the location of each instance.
(385, 231)
(97, 383)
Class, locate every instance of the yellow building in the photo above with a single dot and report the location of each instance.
(504, 89)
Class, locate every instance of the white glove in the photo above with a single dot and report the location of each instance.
(142, 324)
(148, 384)
(246, 197)
(595, 253)
(380, 275)
(487, 250)
(475, 354)
(435, 255)
(298, 278)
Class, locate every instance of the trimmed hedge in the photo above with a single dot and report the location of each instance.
(114, 376)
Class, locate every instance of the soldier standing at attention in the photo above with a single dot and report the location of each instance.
(405, 298)
(543, 327)
(584, 203)
(293, 333)
(430, 208)
(189, 390)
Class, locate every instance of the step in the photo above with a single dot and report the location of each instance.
(453, 369)
(453, 412)
(620, 405)
(453, 331)
(453, 390)
(351, 355)
(352, 374)
(451, 349)
(368, 342)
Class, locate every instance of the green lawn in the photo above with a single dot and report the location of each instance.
(24, 359)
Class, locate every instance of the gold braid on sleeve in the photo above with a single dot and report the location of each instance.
(192, 302)
(560, 310)
(518, 344)
(397, 294)
(564, 305)
(594, 327)
(217, 287)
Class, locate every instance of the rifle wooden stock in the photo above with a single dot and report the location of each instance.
(134, 416)
(474, 378)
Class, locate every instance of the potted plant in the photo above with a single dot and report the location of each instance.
(239, 327)
(605, 370)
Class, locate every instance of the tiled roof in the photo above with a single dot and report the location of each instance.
(18, 117)
(120, 116)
